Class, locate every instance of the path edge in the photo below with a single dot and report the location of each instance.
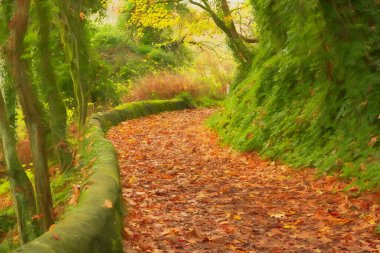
(95, 224)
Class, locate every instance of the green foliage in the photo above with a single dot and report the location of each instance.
(123, 60)
(207, 101)
(312, 96)
(6, 7)
(8, 245)
(7, 214)
(61, 186)
(7, 220)
(4, 186)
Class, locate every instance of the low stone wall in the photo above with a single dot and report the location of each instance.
(95, 224)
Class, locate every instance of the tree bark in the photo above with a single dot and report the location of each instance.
(9, 94)
(57, 108)
(21, 187)
(235, 40)
(32, 110)
(71, 28)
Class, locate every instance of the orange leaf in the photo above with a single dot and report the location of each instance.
(82, 16)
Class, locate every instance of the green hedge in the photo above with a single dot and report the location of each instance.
(95, 224)
(138, 109)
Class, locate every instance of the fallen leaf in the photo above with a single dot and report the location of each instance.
(107, 204)
(287, 226)
(56, 236)
(237, 217)
(373, 141)
(187, 193)
(277, 215)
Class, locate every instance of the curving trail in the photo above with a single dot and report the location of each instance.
(186, 193)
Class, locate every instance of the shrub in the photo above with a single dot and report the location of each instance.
(166, 85)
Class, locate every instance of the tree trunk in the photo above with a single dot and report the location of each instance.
(72, 36)
(9, 94)
(32, 110)
(57, 108)
(21, 187)
(236, 41)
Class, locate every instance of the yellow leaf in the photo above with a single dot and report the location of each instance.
(372, 221)
(107, 204)
(324, 229)
(231, 247)
(237, 217)
(277, 215)
(289, 226)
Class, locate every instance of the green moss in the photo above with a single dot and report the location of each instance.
(95, 224)
(312, 95)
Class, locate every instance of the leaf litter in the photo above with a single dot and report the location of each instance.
(184, 192)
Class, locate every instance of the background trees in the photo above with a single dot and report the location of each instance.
(306, 89)
(32, 75)
(56, 64)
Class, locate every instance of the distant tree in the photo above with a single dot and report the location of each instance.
(221, 14)
(165, 14)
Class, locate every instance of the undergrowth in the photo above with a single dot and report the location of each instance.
(312, 96)
(62, 191)
(206, 78)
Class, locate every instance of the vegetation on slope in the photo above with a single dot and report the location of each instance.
(312, 95)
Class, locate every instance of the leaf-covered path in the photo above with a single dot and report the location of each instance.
(186, 193)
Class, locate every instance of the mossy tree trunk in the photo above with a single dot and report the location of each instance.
(70, 21)
(32, 110)
(21, 187)
(57, 108)
(9, 94)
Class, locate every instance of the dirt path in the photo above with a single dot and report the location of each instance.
(186, 193)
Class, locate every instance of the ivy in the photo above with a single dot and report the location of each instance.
(312, 94)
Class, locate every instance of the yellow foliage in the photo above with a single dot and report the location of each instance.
(150, 14)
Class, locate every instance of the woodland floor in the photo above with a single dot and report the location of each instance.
(187, 193)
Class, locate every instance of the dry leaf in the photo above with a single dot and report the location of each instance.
(277, 215)
(107, 204)
(287, 226)
(237, 217)
(187, 193)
